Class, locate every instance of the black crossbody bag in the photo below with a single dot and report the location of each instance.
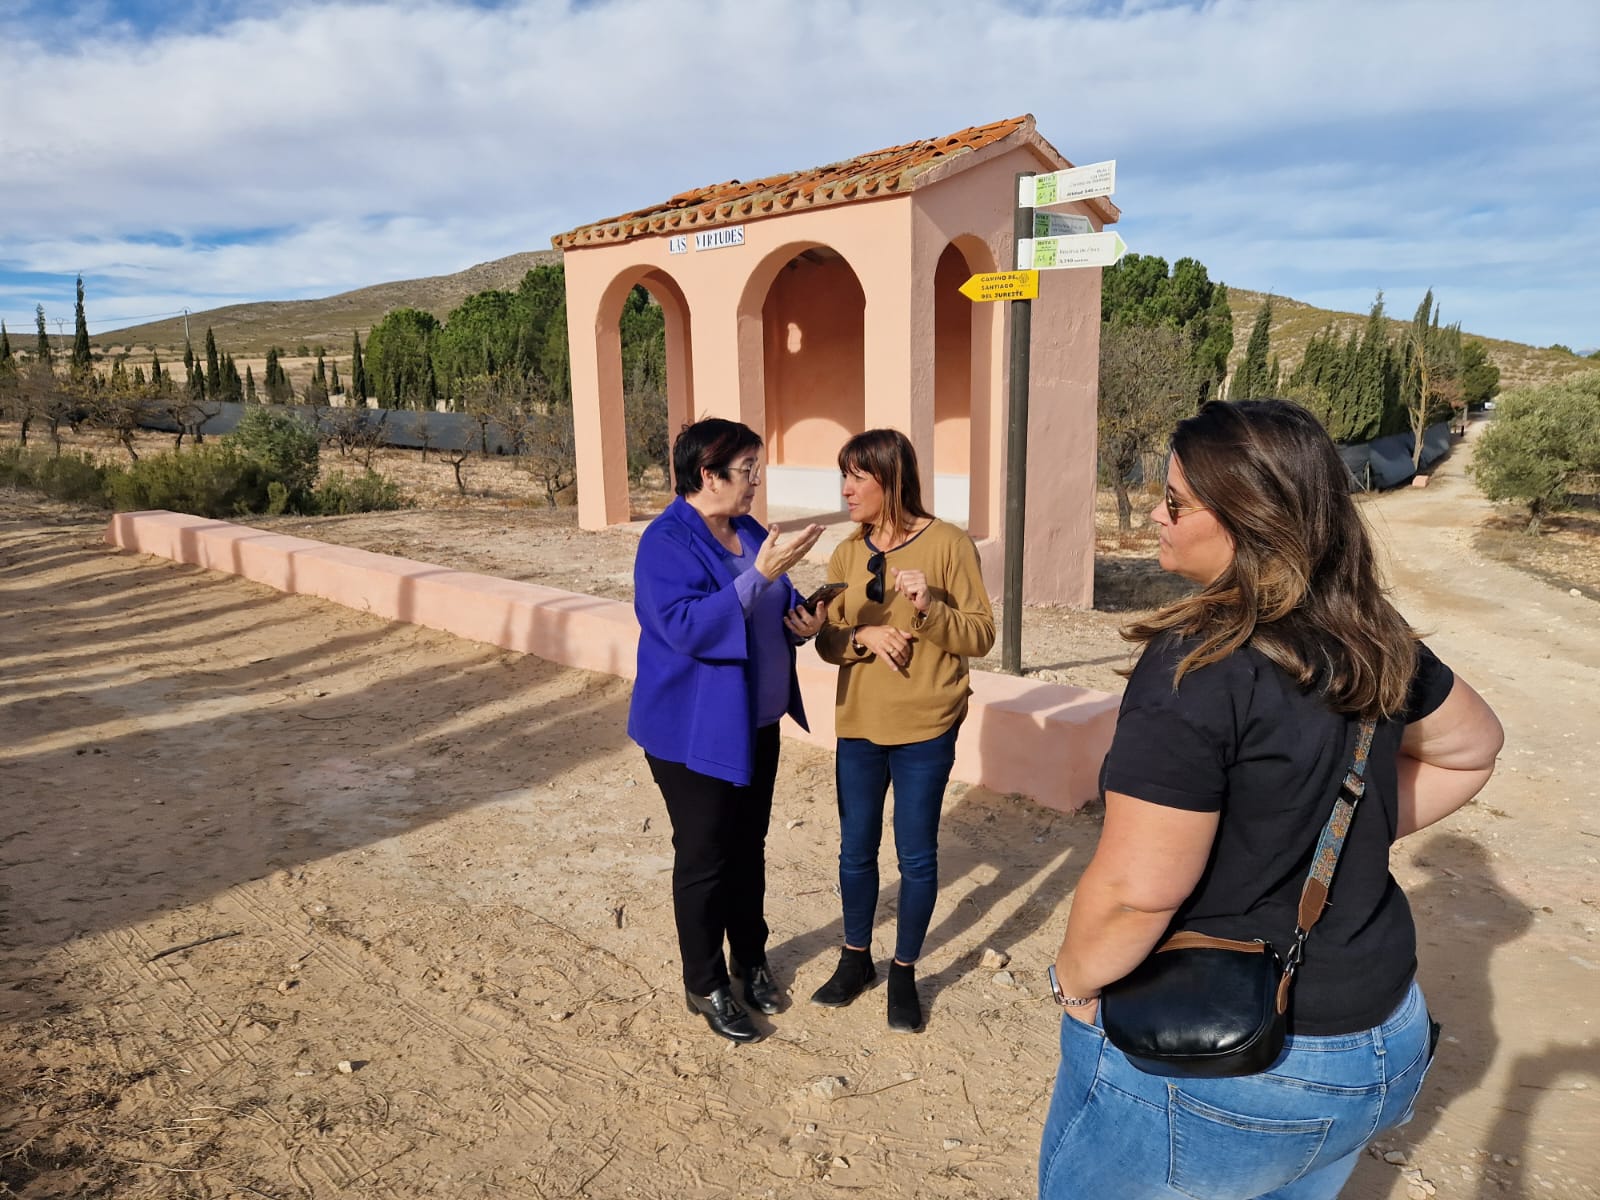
(1209, 1007)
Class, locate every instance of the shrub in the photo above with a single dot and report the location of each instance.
(1541, 439)
(339, 494)
(286, 448)
(208, 481)
(75, 478)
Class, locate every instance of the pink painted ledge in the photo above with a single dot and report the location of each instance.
(1043, 740)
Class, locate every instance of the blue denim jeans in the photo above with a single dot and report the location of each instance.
(1292, 1133)
(919, 771)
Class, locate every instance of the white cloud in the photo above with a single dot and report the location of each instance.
(365, 142)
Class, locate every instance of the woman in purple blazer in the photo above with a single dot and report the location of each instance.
(718, 624)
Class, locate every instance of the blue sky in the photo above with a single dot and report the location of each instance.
(195, 153)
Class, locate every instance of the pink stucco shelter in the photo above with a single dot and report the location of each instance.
(816, 304)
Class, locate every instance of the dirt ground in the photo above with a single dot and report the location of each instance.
(297, 903)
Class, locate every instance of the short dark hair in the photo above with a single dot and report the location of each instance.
(709, 444)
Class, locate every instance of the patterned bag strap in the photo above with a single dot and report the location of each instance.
(1314, 895)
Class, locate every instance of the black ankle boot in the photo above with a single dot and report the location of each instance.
(850, 978)
(760, 989)
(723, 1013)
(905, 1009)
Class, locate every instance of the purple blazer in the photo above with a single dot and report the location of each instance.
(694, 696)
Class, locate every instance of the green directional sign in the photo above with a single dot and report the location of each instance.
(1077, 250)
(1063, 187)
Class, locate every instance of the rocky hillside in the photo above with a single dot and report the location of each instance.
(249, 330)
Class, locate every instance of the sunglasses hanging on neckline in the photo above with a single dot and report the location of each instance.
(877, 564)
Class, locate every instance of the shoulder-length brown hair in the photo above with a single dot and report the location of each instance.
(1303, 586)
(888, 456)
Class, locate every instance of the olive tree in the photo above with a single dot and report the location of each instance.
(1147, 385)
(1541, 441)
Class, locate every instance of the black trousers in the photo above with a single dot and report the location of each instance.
(719, 865)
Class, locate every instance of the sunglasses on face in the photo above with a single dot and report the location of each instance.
(1176, 507)
(876, 565)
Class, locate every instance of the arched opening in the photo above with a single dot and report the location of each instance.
(964, 383)
(813, 376)
(646, 378)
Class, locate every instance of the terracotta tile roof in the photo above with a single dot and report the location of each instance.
(881, 173)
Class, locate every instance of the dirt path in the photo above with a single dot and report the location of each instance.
(444, 866)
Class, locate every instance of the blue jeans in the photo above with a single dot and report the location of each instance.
(1292, 1133)
(919, 771)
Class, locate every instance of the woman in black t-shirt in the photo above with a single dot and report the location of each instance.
(1238, 723)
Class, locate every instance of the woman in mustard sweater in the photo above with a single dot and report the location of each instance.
(915, 610)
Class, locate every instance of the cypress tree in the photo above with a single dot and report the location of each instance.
(213, 366)
(249, 385)
(80, 337)
(5, 344)
(155, 370)
(333, 384)
(358, 373)
(1251, 380)
(138, 377)
(41, 349)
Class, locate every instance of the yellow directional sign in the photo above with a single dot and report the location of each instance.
(1002, 285)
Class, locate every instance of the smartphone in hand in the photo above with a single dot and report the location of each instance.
(823, 594)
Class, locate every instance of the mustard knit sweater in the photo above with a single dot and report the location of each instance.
(875, 701)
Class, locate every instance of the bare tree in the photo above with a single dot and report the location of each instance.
(49, 399)
(123, 408)
(1147, 385)
(551, 457)
(483, 399)
(16, 395)
(457, 457)
(424, 428)
(518, 418)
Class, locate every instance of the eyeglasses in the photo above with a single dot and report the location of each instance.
(875, 564)
(753, 473)
(1177, 508)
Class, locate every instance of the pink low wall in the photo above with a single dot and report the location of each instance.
(1044, 740)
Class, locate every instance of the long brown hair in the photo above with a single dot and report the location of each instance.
(888, 456)
(1303, 586)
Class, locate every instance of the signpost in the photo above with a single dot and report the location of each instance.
(1075, 250)
(1045, 242)
(1049, 224)
(1061, 187)
(1002, 285)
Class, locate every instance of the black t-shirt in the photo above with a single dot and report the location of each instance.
(1240, 738)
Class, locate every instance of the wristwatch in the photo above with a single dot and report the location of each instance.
(855, 645)
(1064, 1000)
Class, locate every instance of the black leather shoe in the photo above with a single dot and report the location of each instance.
(850, 978)
(760, 989)
(723, 1013)
(905, 1009)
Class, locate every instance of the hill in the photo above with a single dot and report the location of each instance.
(1294, 323)
(249, 330)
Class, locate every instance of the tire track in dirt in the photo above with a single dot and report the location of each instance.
(548, 1096)
(130, 953)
